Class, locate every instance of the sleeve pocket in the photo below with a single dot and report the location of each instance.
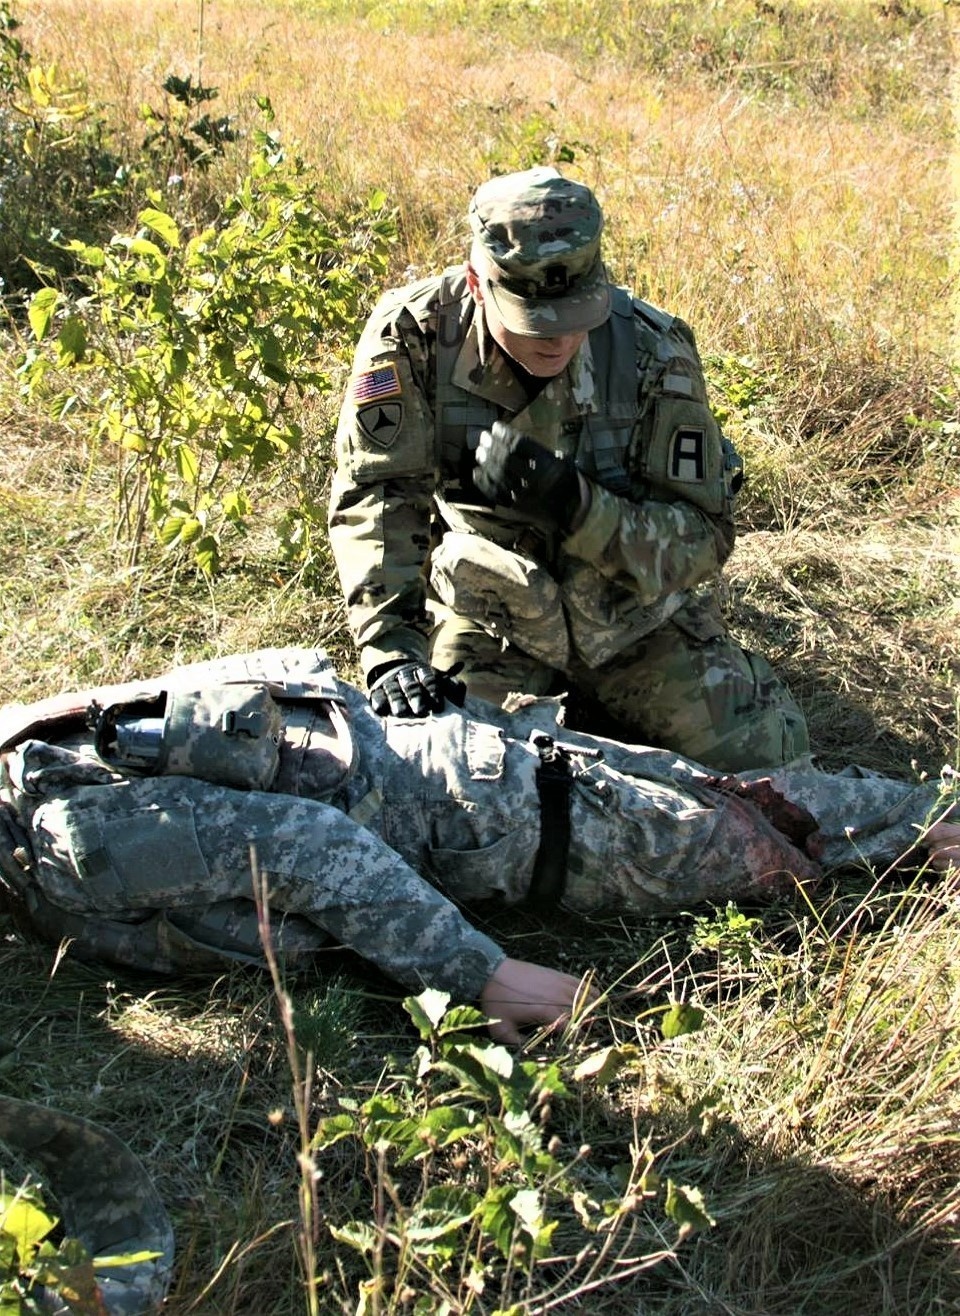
(146, 859)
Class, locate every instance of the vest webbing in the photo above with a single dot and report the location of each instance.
(607, 429)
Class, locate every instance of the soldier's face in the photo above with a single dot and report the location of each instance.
(544, 358)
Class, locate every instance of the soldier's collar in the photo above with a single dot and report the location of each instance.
(483, 369)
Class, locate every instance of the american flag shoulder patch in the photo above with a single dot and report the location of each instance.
(373, 385)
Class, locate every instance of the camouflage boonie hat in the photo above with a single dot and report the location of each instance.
(540, 236)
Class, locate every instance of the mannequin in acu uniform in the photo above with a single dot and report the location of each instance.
(132, 818)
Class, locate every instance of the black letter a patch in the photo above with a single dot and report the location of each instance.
(687, 460)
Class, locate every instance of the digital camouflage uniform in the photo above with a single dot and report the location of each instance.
(622, 611)
(373, 833)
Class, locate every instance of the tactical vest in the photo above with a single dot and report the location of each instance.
(223, 720)
(604, 432)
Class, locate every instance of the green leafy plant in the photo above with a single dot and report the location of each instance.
(188, 352)
(175, 138)
(31, 1262)
(494, 1195)
(56, 172)
(728, 933)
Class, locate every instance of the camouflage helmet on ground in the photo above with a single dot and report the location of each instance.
(536, 250)
(105, 1197)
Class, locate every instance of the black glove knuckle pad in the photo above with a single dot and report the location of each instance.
(407, 689)
(516, 471)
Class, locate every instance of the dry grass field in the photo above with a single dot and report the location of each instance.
(780, 175)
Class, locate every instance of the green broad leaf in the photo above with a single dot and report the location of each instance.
(527, 1207)
(270, 349)
(188, 465)
(191, 530)
(207, 555)
(236, 506)
(8, 1254)
(439, 1128)
(459, 1018)
(498, 1221)
(72, 341)
(25, 1222)
(494, 1059)
(331, 1129)
(383, 1106)
(162, 224)
(545, 1077)
(685, 1207)
(169, 530)
(40, 313)
(357, 1234)
(442, 1210)
(603, 1066)
(519, 1141)
(386, 1124)
(92, 256)
(144, 247)
(445, 1124)
(681, 1018)
(427, 1009)
(543, 1239)
(276, 372)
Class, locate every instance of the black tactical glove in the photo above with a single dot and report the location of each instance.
(516, 471)
(406, 689)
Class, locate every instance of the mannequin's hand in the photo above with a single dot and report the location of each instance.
(519, 994)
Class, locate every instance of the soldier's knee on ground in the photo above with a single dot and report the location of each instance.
(702, 695)
(763, 737)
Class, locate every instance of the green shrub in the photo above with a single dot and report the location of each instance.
(189, 354)
(473, 1191)
(56, 173)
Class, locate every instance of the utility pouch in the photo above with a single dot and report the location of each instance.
(229, 735)
(508, 592)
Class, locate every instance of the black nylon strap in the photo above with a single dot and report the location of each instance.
(553, 787)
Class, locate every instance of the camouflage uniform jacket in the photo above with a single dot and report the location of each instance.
(427, 380)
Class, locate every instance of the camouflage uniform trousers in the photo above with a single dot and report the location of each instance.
(127, 851)
(686, 686)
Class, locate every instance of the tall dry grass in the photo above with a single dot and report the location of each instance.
(780, 176)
